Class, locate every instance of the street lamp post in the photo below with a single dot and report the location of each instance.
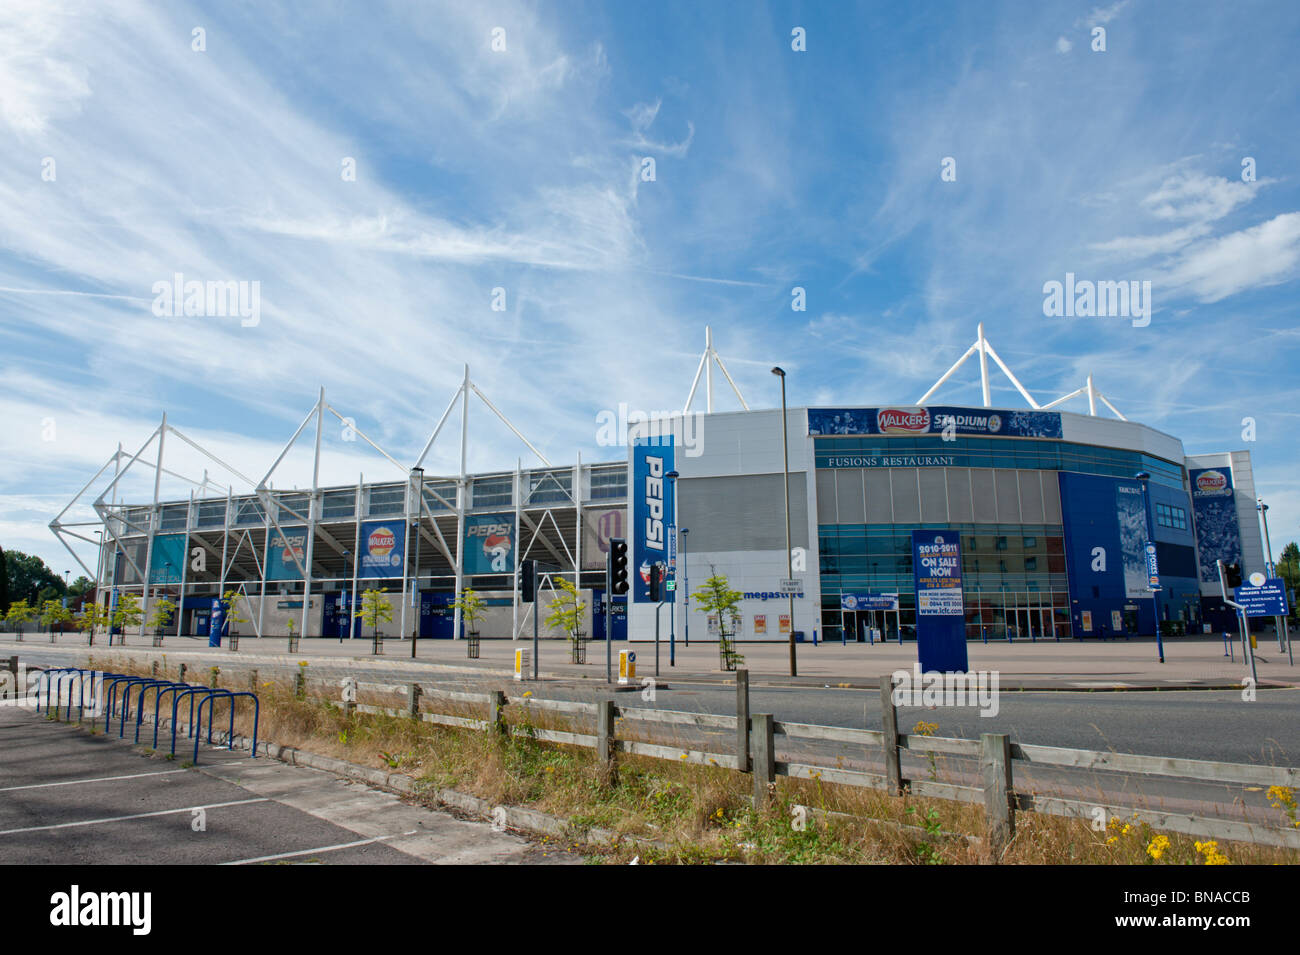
(419, 517)
(1144, 477)
(686, 584)
(672, 575)
(789, 557)
(1272, 571)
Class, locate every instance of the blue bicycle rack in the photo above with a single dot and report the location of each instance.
(230, 733)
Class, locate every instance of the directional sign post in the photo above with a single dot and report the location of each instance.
(1266, 599)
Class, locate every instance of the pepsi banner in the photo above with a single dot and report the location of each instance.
(940, 612)
(382, 546)
(1214, 509)
(490, 543)
(282, 550)
(652, 509)
(919, 421)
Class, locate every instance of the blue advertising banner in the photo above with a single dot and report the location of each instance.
(1266, 600)
(382, 546)
(1214, 508)
(218, 622)
(490, 543)
(1153, 567)
(918, 421)
(168, 561)
(652, 509)
(281, 552)
(868, 601)
(1132, 516)
(940, 612)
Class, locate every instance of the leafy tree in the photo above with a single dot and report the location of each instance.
(81, 586)
(126, 614)
(4, 584)
(27, 575)
(566, 609)
(472, 608)
(717, 597)
(374, 608)
(95, 616)
(233, 600)
(19, 613)
(1288, 568)
(161, 613)
(53, 612)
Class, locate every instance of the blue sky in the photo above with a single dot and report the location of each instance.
(519, 169)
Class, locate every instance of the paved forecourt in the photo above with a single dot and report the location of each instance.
(67, 796)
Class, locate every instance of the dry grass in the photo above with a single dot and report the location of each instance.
(695, 814)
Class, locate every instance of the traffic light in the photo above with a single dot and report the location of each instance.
(1232, 574)
(618, 565)
(528, 581)
(656, 572)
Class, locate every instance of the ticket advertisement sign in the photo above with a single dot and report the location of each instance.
(940, 613)
(382, 544)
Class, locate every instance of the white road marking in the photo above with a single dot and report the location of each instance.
(140, 815)
(333, 848)
(97, 779)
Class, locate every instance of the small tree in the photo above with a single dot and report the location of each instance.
(53, 612)
(127, 613)
(374, 608)
(163, 608)
(472, 608)
(19, 613)
(566, 610)
(717, 597)
(94, 615)
(233, 601)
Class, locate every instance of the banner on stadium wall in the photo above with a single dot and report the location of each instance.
(1214, 510)
(1131, 514)
(933, 420)
(168, 560)
(382, 546)
(490, 543)
(652, 508)
(600, 526)
(940, 613)
(281, 552)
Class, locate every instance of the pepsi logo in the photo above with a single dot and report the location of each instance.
(902, 421)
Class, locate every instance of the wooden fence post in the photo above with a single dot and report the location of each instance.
(496, 710)
(742, 719)
(889, 725)
(350, 696)
(413, 700)
(180, 673)
(252, 681)
(605, 742)
(153, 669)
(995, 768)
(300, 684)
(763, 738)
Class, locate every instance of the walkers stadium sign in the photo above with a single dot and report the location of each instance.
(903, 421)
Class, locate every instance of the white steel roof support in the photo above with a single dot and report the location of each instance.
(707, 361)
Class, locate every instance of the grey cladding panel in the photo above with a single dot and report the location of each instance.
(1031, 497)
(985, 503)
(826, 512)
(849, 494)
(880, 509)
(744, 512)
(907, 505)
(934, 496)
(959, 507)
(1008, 497)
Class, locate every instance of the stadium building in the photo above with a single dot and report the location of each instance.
(1046, 505)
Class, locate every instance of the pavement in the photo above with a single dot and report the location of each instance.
(70, 797)
(1190, 662)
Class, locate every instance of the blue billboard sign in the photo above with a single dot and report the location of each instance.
(934, 420)
(1266, 600)
(1214, 508)
(1153, 568)
(218, 622)
(652, 509)
(940, 612)
(281, 551)
(489, 543)
(382, 546)
(869, 601)
(168, 561)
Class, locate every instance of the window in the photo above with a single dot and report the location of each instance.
(338, 505)
(386, 501)
(608, 484)
(550, 487)
(494, 492)
(174, 517)
(211, 513)
(446, 490)
(1168, 515)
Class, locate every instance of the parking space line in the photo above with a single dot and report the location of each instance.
(97, 779)
(139, 815)
(333, 848)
